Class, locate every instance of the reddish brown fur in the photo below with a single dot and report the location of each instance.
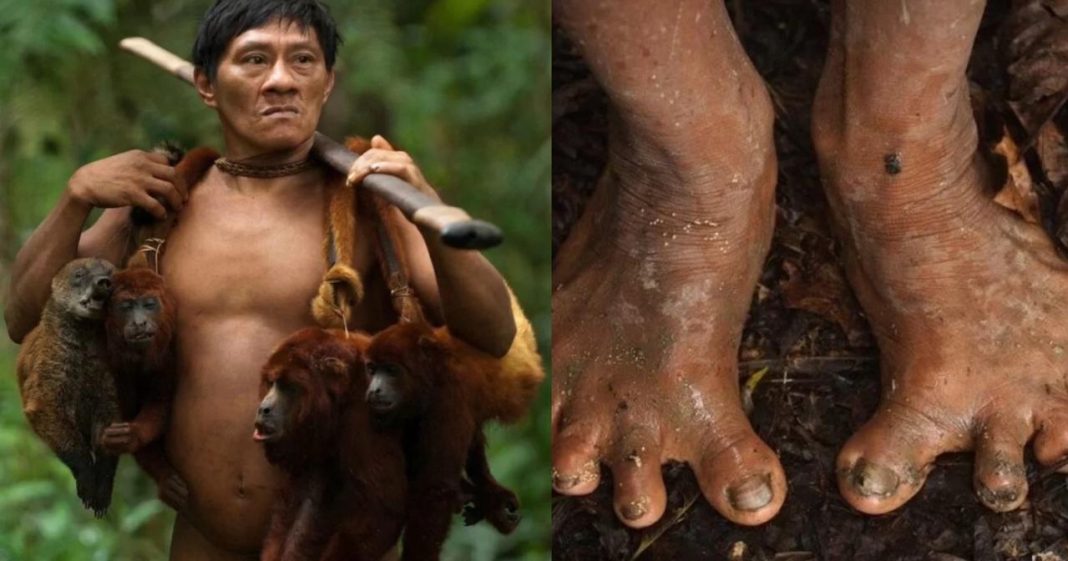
(137, 364)
(347, 485)
(449, 390)
(144, 379)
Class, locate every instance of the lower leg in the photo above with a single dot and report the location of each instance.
(964, 299)
(652, 288)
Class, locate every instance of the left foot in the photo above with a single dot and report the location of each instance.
(967, 301)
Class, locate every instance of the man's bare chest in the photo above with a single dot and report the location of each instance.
(235, 254)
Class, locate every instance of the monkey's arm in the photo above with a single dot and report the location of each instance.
(445, 436)
(490, 500)
(57, 241)
(170, 487)
(128, 437)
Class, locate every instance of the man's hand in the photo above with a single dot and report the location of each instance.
(134, 178)
(382, 158)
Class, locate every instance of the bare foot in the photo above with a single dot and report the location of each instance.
(967, 302)
(652, 287)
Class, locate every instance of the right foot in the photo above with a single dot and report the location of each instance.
(650, 295)
(652, 287)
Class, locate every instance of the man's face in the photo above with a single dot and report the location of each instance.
(270, 88)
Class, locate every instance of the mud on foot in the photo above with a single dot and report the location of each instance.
(650, 295)
(967, 302)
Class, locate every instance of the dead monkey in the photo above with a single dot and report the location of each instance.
(68, 394)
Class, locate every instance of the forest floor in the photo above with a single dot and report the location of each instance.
(805, 328)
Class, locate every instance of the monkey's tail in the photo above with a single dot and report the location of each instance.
(520, 371)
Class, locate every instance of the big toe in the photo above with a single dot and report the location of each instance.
(1051, 442)
(886, 462)
(575, 459)
(1000, 477)
(744, 480)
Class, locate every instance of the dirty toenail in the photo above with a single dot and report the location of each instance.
(752, 493)
(872, 480)
(999, 500)
(585, 474)
(635, 509)
(564, 482)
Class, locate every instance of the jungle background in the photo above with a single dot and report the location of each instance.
(807, 358)
(463, 85)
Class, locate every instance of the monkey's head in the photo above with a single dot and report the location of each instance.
(81, 288)
(401, 362)
(307, 384)
(140, 309)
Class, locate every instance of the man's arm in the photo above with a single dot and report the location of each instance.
(463, 287)
(459, 285)
(130, 178)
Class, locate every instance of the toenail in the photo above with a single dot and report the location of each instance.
(999, 500)
(635, 509)
(753, 493)
(564, 482)
(872, 480)
(585, 474)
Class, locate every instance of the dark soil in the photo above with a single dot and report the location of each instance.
(805, 327)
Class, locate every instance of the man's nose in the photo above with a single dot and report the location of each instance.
(281, 77)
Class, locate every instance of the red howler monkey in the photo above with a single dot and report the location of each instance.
(346, 495)
(442, 390)
(140, 324)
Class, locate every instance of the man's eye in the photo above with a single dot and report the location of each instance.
(255, 59)
(305, 59)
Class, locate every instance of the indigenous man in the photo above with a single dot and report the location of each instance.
(246, 256)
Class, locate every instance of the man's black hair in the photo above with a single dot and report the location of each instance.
(227, 19)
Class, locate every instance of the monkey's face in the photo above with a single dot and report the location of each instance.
(139, 318)
(386, 391)
(306, 386)
(82, 287)
(275, 412)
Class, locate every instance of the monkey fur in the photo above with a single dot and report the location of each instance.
(442, 390)
(140, 323)
(68, 394)
(346, 494)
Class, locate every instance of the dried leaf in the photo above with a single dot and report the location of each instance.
(1018, 193)
(1035, 40)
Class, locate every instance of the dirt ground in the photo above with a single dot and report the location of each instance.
(805, 328)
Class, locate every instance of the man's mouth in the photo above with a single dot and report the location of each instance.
(283, 109)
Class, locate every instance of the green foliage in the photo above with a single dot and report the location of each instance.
(463, 85)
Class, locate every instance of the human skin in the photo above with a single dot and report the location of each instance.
(243, 263)
(651, 289)
(967, 301)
